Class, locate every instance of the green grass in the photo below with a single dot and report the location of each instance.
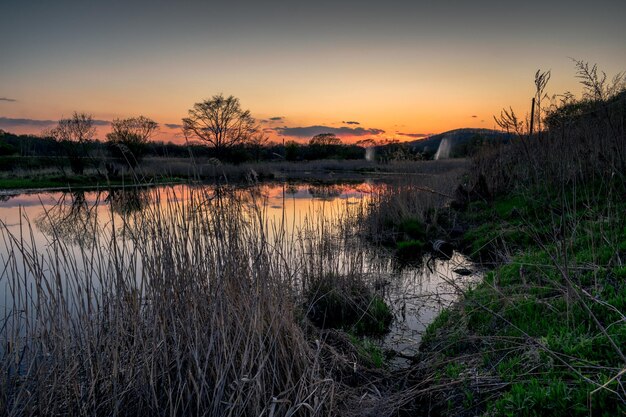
(410, 251)
(344, 302)
(528, 328)
(413, 228)
(369, 352)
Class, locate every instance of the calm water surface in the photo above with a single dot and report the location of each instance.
(416, 293)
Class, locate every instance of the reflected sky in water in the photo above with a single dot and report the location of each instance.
(415, 292)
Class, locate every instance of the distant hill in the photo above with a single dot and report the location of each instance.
(461, 140)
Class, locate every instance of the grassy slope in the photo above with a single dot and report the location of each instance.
(536, 338)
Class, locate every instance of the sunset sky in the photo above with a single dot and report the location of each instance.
(394, 69)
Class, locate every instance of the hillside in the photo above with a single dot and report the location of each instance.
(462, 140)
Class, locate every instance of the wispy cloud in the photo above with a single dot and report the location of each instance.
(415, 135)
(10, 122)
(309, 131)
(173, 125)
(474, 116)
(277, 118)
(10, 100)
(351, 122)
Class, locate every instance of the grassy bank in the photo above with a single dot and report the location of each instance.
(545, 333)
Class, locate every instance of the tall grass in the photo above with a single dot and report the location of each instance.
(192, 301)
(183, 308)
(413, 202)
(545, 333)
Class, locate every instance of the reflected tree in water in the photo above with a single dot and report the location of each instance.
(6, 197)
(72, 220)
(291, 189)
(128, 200)
(326, 191)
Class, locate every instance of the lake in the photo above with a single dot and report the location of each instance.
(298, 220)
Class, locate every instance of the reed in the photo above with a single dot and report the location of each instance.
(184, 308)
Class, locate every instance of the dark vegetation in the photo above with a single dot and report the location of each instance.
(48, 149)
(346, 303)
(466, 142)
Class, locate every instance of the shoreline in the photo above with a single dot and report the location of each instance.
(521, 335)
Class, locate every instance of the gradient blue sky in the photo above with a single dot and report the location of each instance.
(403, 68)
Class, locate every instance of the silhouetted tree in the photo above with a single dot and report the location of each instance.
(220, 122)
(256, 143)
(325, 139)
(367, 143)
(129, 138)
(291, 150)
(75, 133)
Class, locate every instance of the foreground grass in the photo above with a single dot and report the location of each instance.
(544, 334)
(179, 309)
(188, 302)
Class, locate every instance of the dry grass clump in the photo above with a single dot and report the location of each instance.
(582, 140)
(180, 309)
(411, 205)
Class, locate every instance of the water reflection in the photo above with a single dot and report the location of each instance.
(326, 191)
(72, 219)
(128, 200)
(304, 218)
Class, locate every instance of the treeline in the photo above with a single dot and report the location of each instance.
(215, 128)
(40, 146)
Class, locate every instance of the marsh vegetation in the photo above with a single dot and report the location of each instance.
(203, 300)
(326, 297)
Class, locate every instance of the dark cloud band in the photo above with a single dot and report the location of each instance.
(415, 135)
(309, 131)
(10, 122)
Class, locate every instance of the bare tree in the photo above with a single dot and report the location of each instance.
(325, 139)
(129, 137)
(78, 129)
(367, 143)
(220, 122)
(256, 142)
(75, 133)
